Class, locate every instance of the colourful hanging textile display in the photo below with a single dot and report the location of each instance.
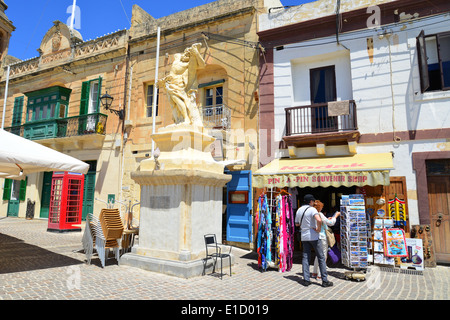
(275, 237)
(264, 222)
(285, 232)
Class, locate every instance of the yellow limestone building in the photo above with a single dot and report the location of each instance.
(54, 99)
(123, 64)
(227, 87)
(227, 94)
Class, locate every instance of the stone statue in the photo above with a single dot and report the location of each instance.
(181, 86)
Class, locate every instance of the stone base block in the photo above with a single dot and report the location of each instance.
(181, 269)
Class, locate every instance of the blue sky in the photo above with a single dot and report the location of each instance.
(33, 18)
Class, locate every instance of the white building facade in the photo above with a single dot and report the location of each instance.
(395, 72)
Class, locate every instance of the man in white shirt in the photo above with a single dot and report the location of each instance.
(308, 219)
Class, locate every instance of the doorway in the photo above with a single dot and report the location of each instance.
(438, 181)
(239, 205)
(45, 194)
(14, 200)
(322, 90)
(89, 189)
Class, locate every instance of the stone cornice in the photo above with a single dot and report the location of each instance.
(180, 177)
(85, 50)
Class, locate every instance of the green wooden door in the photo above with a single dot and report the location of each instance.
(45, 194)
(14, 200)
(88, 195)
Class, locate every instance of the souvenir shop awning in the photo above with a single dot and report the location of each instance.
(358, 170)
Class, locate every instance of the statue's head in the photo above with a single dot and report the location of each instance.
(186, 55)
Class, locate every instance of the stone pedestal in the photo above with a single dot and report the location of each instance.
(181, 201)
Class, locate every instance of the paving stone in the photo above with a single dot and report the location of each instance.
(38, 265)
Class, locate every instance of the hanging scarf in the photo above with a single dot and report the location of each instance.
(290, 226)
(263, 242)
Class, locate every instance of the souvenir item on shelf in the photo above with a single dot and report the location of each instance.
(378, 246)
(415, 257)
(423, 232)
(394, 243)
(378, 241)
(397, 212)
(381, 213)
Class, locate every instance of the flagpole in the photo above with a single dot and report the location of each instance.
(72, 18)
(155, 89)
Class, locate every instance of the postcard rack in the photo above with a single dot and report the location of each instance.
(355, 230)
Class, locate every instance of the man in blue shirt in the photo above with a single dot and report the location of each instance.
(310, 224)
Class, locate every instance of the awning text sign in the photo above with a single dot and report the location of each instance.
(358, 170)
(325, 179)
(331, 167)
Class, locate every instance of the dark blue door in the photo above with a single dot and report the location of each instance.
(239, 205)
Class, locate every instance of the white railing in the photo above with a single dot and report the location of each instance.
(216, 117)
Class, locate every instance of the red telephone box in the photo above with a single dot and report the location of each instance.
(66, 202)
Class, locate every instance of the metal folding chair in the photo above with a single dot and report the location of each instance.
(214, 252)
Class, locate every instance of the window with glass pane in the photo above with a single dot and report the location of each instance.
(93, 96)
(45, 104)
(44, 111)
(434, 61)
(149, 101)
(213, 100)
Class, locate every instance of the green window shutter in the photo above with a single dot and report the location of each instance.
(23, 189)
(99, 93)
(17, 112)
(84, 101)
(7, 189)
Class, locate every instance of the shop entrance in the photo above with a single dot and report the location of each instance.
(329, 196)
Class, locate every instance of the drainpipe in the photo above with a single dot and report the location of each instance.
(6, 97)
(127, 114)
(338, 15)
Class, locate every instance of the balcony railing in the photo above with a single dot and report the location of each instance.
(94, 123)
(314, 119)
(216, 117)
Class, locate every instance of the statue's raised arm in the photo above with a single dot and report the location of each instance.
(181, 86)
(196, 62)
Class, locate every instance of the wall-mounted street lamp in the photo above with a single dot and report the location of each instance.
(107, 100)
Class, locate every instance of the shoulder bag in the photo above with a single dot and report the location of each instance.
(330, 237)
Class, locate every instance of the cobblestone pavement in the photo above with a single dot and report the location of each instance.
(40, 265)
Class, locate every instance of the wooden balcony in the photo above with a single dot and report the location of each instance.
(311, 125)
(71, 132)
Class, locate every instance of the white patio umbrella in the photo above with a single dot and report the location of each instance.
(20, 156)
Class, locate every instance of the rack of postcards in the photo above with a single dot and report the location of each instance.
(355, 232)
